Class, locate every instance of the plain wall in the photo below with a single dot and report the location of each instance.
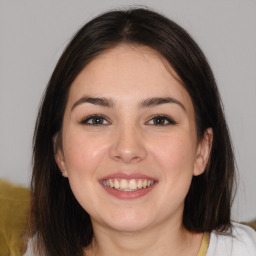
(34, 33)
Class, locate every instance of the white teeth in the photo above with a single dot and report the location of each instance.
(111, 184)
(128, 185)
(132, 184)
(116, 184)
(139, 184)
(124, 184)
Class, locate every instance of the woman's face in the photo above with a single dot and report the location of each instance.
(129, 143)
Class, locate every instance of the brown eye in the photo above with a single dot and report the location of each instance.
(161, 121)
(95, 120)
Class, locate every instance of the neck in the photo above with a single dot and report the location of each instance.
(161, 240)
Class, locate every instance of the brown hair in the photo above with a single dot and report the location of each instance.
(61, 225)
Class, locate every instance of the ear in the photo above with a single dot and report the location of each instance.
(59, 156)
(203, 152)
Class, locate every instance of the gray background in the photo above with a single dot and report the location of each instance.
(34, 33)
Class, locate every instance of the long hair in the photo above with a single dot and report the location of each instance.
(60, 225)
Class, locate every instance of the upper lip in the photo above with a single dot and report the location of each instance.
(120, 175)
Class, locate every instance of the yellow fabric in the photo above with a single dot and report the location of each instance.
(204, 245)
(14, 205)
(251, 224)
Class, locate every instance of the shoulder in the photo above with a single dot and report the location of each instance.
(29, 249)
(31, 245)
(242, 241)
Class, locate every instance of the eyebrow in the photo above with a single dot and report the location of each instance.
(108, 102)
(150, 102)
(95, 101)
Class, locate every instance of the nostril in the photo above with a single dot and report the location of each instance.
(127, 156)
(128, 145)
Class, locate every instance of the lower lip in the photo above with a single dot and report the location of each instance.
(128, 194)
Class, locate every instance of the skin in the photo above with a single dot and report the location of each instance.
(128, 141)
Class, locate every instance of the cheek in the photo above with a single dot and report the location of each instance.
(175, 153)
(83, 153)
(175, 157)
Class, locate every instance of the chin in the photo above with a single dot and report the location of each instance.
(129, 226)
(129, 222)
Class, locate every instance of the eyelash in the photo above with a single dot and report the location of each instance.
(89, 120)
(162, 118)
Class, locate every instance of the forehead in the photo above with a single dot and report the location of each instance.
(128, 72)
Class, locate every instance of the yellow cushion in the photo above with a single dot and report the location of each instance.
(14, 205)
(252, 224)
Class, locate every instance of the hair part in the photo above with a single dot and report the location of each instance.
(61, 225)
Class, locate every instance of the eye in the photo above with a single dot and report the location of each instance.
(95, 120)
(161, 120)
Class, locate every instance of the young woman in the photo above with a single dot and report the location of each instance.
(132, 154)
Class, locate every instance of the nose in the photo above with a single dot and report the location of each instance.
(128, 145)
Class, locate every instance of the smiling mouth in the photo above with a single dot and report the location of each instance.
(128, 185)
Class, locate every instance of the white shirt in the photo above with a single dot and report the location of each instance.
(241, 243)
